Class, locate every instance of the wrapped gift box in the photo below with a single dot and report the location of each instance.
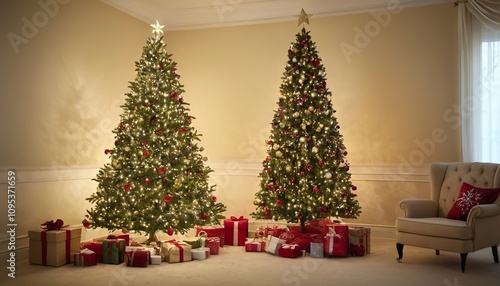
(126, 237)
(113, 251)
(149, 248)
(176, 251)
(274, 231)
(213, 243)
(96, 247)
(273, 244)
(255, 245)
(236, 231)
(317, 249)
(359, 241)
(53, 247)
(200, 253)
(137, 257)
(85, 257)
(213, 231)
(290, 250)
(337, 240)
(156, 259)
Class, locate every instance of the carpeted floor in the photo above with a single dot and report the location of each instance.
(234, 266)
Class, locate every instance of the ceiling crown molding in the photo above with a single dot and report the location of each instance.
(199, 14)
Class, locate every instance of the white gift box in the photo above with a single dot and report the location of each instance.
(156, 259)
(200, 253)
(273, 244)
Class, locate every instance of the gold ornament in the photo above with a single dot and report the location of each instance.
(136, 212)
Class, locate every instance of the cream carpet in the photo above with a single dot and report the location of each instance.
(234, 266)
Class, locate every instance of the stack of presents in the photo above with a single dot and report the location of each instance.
(61, 245)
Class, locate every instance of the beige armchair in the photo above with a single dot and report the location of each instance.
(426, 224)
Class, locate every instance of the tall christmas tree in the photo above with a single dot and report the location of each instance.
(156, 180)
(305, 175)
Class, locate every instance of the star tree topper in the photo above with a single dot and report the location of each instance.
(157, 29)
(303, 17)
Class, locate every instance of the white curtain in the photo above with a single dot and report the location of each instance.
(479, 29)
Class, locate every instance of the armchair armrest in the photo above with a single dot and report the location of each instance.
(416, 208)
(480, 211)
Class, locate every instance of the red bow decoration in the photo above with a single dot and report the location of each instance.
(237, 218)
(51, 225)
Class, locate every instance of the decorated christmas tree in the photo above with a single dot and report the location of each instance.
(156, 179)
(305, 175)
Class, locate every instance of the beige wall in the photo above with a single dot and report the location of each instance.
(395, 97)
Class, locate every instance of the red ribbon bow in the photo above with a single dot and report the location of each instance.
(237, 218)
(51, 225)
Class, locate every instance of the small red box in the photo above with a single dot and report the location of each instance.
(85, 257)
(255, 246)
(120, 236)
(289, 250)
(213, 243)
(213, 231)
(95, 247)
(337, 240)
(137, 258)
(236, 231)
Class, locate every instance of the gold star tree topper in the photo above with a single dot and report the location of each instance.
(303, 17)
(157, 29)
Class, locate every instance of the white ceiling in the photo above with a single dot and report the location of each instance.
(196, 14)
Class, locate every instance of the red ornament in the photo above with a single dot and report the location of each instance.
(214, 198)
(127, 187)
(145, 152)
(170, 231)
(322, 209)
(160, 133)
(86, 223)
(183, 129)
(354, 188)
(203, 216)
(107, 151)
(147, 181)
(278, 203)
(315, 189)
(161, 170)
(167, 198)
(321, 162)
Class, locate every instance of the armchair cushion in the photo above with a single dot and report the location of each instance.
(469, 197)
(435, 227)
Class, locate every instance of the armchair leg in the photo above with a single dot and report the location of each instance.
(437, 251)
(494, 249)
(399, 247)
(463, 257)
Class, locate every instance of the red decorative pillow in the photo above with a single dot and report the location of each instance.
(471, 196)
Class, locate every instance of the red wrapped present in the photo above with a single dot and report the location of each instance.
(53, 247)
(255, 245)
(304, 243)
(113, 251)
(337, 240)
(274, 231)
(213, 231)
(236, 231)
(213, 243)
(176, 251)
(290, 250)
(96, 247)
(137, 258)
(359, 241)
(85, 257)
(126, 237)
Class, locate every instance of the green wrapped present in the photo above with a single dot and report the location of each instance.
(113, 251)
